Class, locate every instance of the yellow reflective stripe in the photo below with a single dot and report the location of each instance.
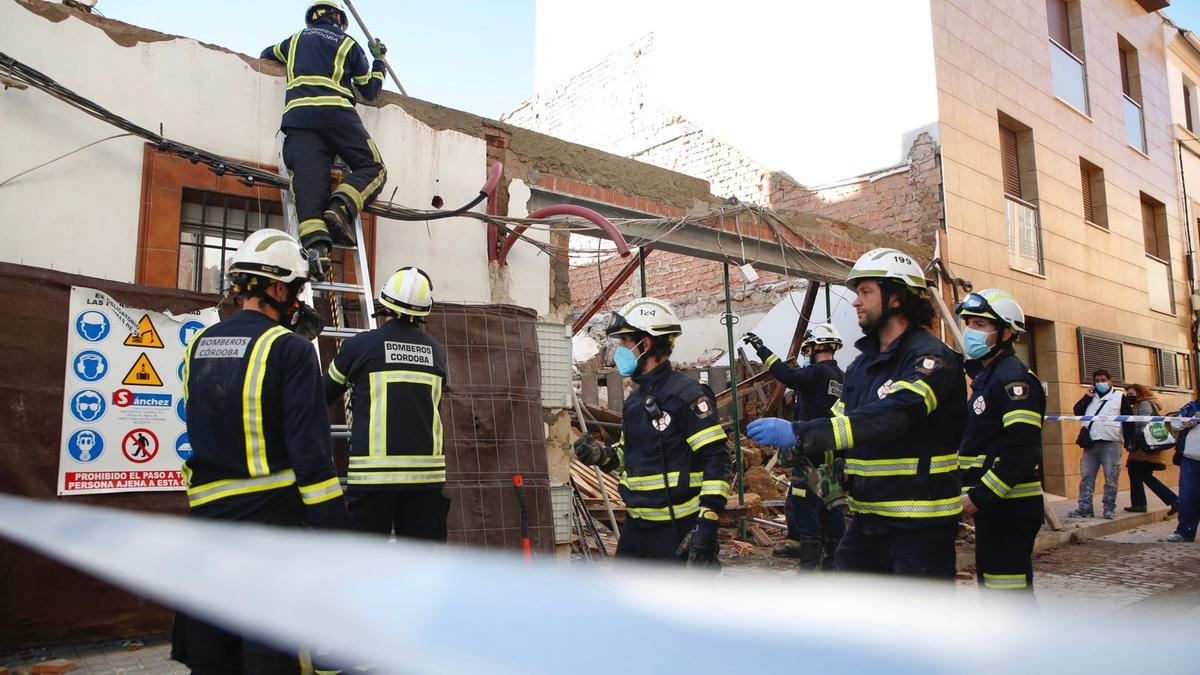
(335, 374)
(681, 510)
(291, 57)
(838, 408)
(336, 101)
(897, 466)
(187, 474)
(318, 81)
(339, 59)
(361, 79)
(920, 388)
(943, 463)
(655, 481)
(210, 492)
(799, 492)
(1023, 417)
(398, 462)
(706, 436)
(1009, 581)
(771, 360)
(375, 156)
(378, 382)
(620, 448)
(252, 412)
(971, 461)
(278, 54)
(843, 434)
(377, 75)
(715, 487)
(353, 194)
(993, 483)
(312, 225)
(914, 508)
(321, 492)
(187, 361)
(1019, 490)
(404, 477)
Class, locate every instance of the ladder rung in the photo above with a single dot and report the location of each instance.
(341, 332)
(339, 431)
(336, 287)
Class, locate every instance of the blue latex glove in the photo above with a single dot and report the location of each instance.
(772, 431)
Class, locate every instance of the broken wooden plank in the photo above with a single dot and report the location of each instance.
(760, 538)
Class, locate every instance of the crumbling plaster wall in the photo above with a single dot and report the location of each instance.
(224, 102)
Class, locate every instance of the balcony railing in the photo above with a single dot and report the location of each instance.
(1135, 125)
(1024, 235)
(1070, 77)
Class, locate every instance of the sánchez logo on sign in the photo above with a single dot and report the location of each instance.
(123, 398)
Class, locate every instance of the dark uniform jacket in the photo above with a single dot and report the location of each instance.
(396, 373)
(697, 462)
(257, 423)
(817, 386)
(1002, 447)
(899, 422)
(322, 64)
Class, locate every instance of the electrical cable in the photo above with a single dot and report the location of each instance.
(48, 163)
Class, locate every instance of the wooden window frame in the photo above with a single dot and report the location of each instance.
(164, 178)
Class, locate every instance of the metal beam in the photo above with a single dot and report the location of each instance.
(708, 243)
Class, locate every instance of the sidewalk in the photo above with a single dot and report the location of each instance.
(1080, 529)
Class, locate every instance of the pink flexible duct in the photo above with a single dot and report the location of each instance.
(489, 188)
(567, 210)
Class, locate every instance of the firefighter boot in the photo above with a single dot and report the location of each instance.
(339, 217)
(317, 246)
(810, 553)
(828, 548)
(790, 549)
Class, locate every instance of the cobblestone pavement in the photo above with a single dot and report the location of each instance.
(145, 655)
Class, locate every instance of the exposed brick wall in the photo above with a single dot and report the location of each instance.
(607, 107)
(905, 203)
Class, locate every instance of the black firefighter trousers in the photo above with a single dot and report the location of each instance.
(309, 154)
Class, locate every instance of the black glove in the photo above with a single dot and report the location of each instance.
(701, 543)
(307, 323)
(319, 263)
(753, 340)
(590, 451)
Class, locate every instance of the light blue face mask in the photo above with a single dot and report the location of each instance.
(1102, 388)
(805, 361)
(625, 361)
(975, 343)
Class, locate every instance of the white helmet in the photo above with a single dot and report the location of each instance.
(270, 253)
(994, 304)
(646, 315)
(408, 291)
(321, 7)
(821, 334)
(888, 263)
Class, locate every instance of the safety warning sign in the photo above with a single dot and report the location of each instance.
(118, 409)
(147, 336)
(142, 373)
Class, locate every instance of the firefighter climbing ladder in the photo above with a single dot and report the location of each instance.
(336, 291)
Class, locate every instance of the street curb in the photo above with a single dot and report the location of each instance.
(1050, 539)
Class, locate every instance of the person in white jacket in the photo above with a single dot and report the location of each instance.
(1105, 451)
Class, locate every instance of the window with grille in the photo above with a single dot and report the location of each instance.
(1096, 352)
(212, 225)
(1091, 185)
(1019, 174)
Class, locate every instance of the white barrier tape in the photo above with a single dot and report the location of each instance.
(1113, 418)
(413, 608)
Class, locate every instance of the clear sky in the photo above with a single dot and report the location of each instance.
(1185, 13)
(473, 55)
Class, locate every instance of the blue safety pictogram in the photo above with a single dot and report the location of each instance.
(188, 331)
(92, 325)
(85, 445)
(182, 447)
(90, 365)
(88, 405)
